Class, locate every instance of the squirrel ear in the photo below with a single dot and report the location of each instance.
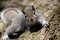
(23, 12)
(33, 8)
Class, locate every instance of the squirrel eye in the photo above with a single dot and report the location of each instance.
(34, 12)
(25, 16)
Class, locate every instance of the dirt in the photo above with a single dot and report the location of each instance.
(49, 8)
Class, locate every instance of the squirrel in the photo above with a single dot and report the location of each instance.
(14, 19)
(33, 16)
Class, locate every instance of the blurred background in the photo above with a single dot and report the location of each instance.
(49, 8)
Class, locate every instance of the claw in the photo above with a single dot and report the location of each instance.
(45, 23)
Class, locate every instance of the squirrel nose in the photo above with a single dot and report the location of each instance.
(31, 20)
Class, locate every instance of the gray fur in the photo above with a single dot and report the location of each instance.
(16, 23)
(41, 18)
(38, 17)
